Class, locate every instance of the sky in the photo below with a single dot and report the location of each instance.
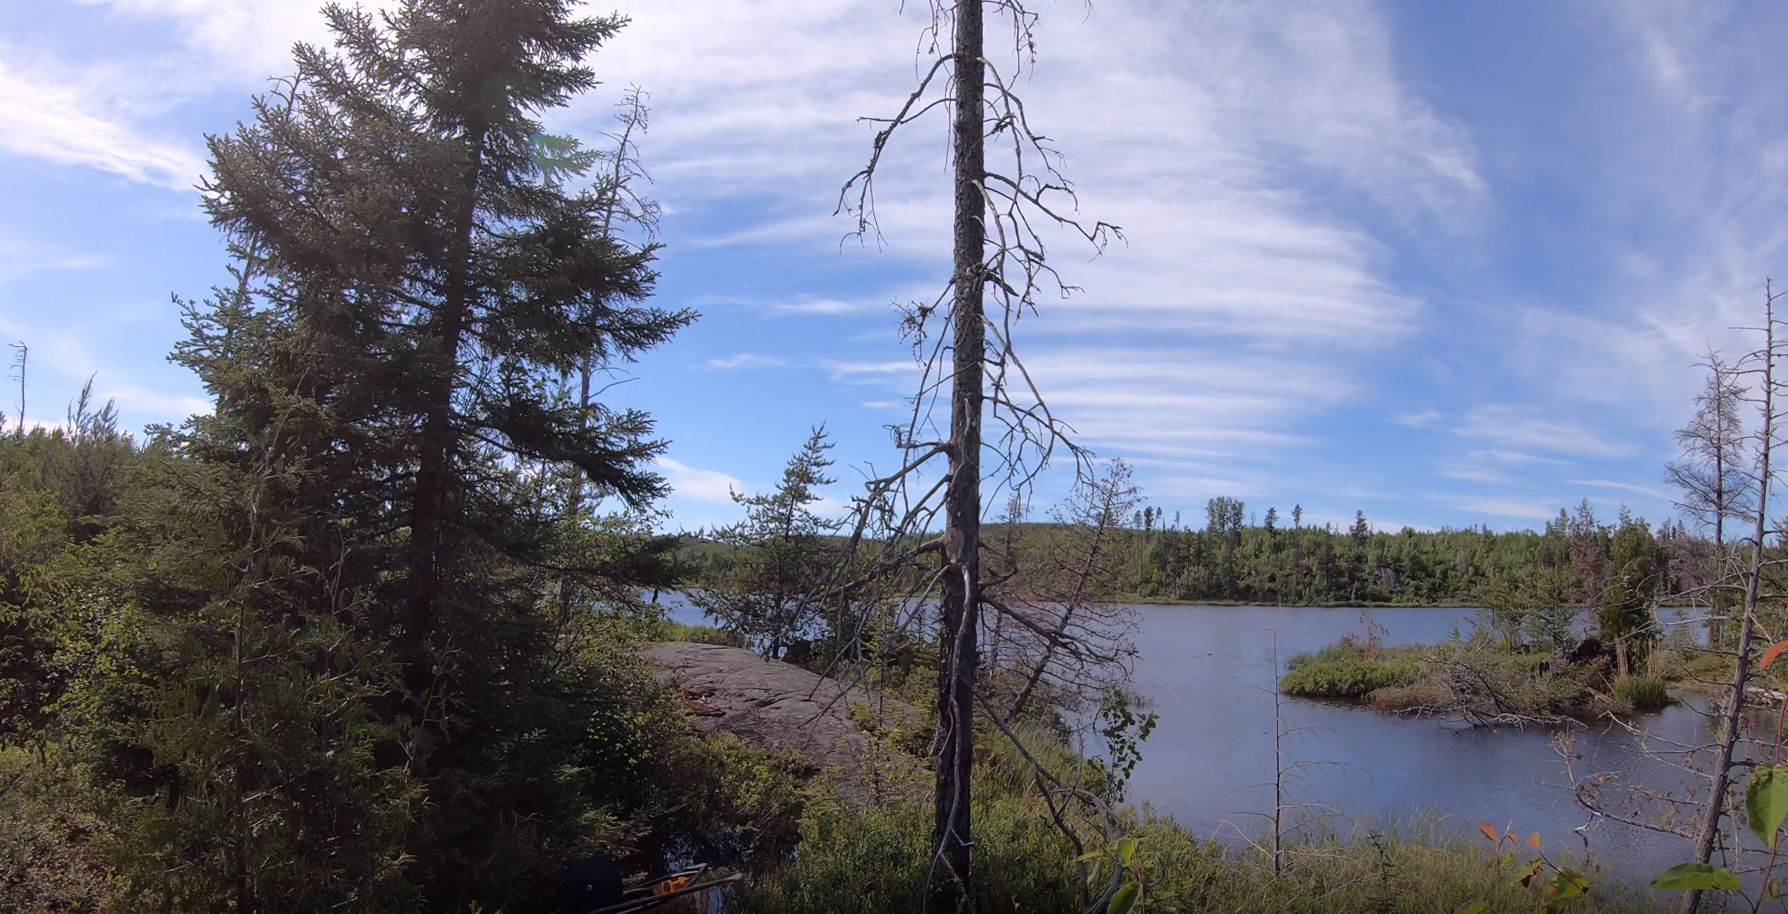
(1449, 264)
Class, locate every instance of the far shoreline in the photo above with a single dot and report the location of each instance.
(1133, 600)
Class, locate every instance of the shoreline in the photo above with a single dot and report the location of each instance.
(1134, 600)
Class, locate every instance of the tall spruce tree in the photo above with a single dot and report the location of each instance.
(356, 649)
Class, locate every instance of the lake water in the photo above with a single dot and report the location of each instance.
(1209, 672)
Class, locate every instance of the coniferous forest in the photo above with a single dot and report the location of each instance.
(1293, 564)
(379, 631)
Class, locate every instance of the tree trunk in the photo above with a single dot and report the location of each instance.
(1714, 632)
(1734, 710)
(439, 440)
(951, 888)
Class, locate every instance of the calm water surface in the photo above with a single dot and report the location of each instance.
(1209, 672)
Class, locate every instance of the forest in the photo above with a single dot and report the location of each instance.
(1292, 564)
(374, 632)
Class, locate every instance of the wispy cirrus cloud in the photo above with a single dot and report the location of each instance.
(1515, 428)
(65, 124)
(747, 360)
(1505, 506)
(1422, 419)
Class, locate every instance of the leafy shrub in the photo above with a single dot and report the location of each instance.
(737, 805)
(1644, 693)
(668, 630)
(50, 839)
(875, 860)
(1347, 670)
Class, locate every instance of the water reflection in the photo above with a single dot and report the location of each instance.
(1209, 672)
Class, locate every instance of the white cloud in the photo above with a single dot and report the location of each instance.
(820, 306)
(873, 372)
(1504, 506)
(746, 360)
(62, 123)
(1422, 419)
(706, 486)
(1615, 484)
(237, 41)
(1511, 427)
(1203, 129)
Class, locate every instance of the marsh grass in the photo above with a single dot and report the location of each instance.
(670, 630)
(1352, 670)
(857, 859)
(873, 861)
(1643, 693)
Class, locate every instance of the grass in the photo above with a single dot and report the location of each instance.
(1352, 670)
(668, 630)
(875, 858)
(1478, 679)
(875, 861)
(1644, 693)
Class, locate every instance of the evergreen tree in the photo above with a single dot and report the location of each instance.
(766, 585)
(362, 683)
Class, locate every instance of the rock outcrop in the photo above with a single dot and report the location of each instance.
(780, 706)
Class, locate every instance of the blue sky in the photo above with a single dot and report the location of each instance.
(1451, 264)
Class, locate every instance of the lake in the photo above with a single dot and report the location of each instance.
(1209, 672)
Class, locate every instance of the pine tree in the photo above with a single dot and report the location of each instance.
(765, 587)
(364, 684)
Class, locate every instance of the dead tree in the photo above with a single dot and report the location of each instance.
(1711, 473)
(1072, 640)
(1742, 579)
(1760, 365)
(966, 356)
(23, 355)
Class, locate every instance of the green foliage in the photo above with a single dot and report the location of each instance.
(763, 583)
(1555, 573)
(1689, 876)
(1643, 693)
(1124, 730)
(1626, 613)
(1766, 802)
(1349, 671)
(874, 861)
(349, 640)
(734, 805)
(53, 833)
(59, 489)
(671, 630)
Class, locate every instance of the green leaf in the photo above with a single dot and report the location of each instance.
(1533, 872)
(1126, 850)
(1476, 907)
(1766, 802)
(1685, 876)
(1568, 884)
(1089, 857)
(1125, 900)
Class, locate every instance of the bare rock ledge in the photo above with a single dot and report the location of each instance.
(779, 706)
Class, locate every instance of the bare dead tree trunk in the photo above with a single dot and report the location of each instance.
(19, 363)
(1077, 595)
(1753, 577)
(951, 886)
(997, 250)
